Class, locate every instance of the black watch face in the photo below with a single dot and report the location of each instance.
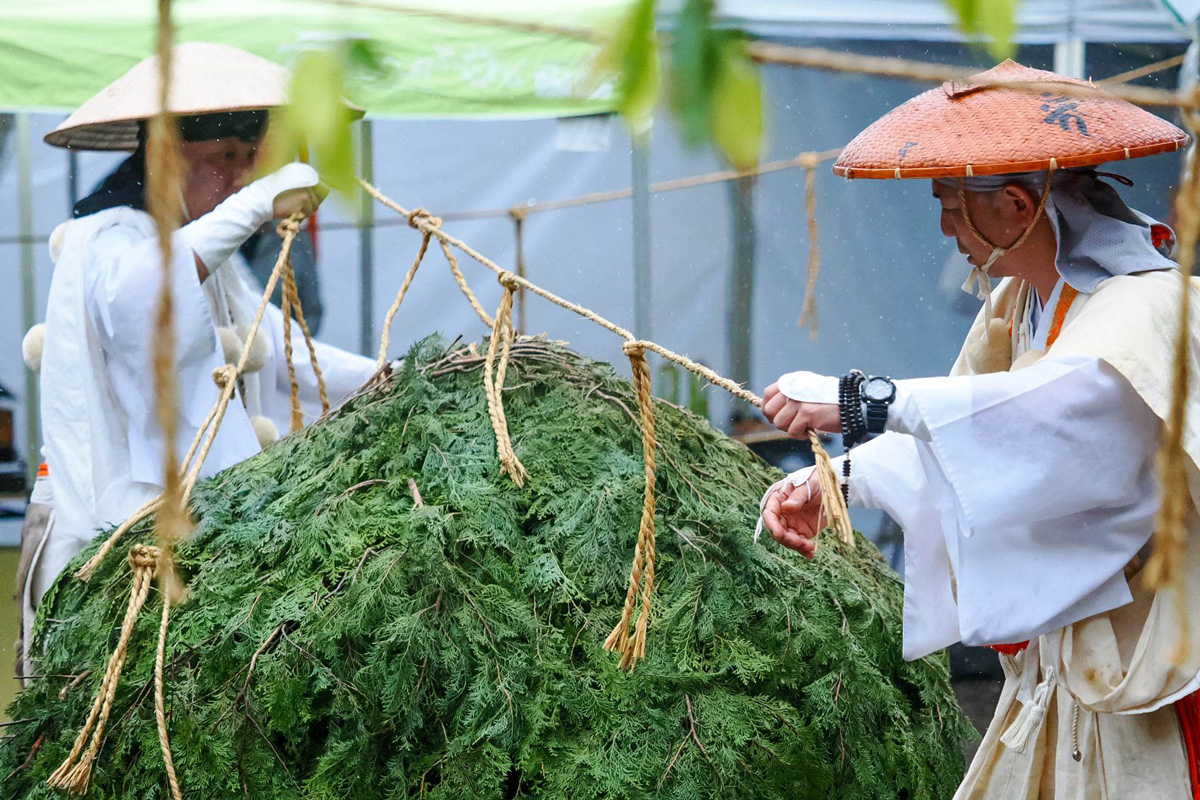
(879, 390)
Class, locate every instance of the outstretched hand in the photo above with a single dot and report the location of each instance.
(794, 517)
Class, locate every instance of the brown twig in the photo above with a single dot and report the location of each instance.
(62, 693)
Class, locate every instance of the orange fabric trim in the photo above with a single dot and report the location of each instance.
(43, 470)
(1065, 299)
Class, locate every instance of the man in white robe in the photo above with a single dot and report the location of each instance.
(1025, 483)
(102, 443)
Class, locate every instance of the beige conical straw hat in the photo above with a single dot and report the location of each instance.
(206, 78)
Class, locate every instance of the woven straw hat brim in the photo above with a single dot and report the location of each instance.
(960, 130)
(207, 78)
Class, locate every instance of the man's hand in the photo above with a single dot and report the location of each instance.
(797, 418)
(794, 518)
(299, 201)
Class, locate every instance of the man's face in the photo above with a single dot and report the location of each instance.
(215, 169)
(983, 214)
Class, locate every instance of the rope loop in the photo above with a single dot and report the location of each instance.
(508, 281)
(290, 225)
(809, 160)
(224, 374)
(144, 556)
(419, 217)
(635, 347)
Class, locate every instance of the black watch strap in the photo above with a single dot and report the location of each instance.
(877, 417)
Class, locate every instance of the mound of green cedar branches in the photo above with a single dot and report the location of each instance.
(424, 628)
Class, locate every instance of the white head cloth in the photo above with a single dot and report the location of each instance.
(1098, 235)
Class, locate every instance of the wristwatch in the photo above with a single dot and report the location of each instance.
(878, 392)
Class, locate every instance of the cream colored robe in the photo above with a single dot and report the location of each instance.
(1113, 671)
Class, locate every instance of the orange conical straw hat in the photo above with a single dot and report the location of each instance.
(206, 78)
(961, 129)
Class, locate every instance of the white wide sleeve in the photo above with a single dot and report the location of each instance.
(124, 280)
(1034, 487)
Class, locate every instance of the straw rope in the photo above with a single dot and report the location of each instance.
(630, 646)
(160, 712)
(494, 372)
(297, 421)
(172, 523)
(164, 200)
(1165, 569)
(1141, 72)
(808, 314)
(455, 270)
(289, 287)
(819, 58)
(386, 337)
(641, 573)
(75, 772)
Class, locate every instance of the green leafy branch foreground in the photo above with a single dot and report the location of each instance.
(374, 611)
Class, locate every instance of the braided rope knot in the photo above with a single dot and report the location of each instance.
(809, 160)
(290, 225)
(144, 556)
(224, 374)
(420, 215)
(508, 281)
(635, 347)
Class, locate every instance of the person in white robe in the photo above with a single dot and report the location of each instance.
(102, 444)
(1025, 483)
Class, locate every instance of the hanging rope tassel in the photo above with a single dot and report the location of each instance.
(641, 574)
(808, 315)
(493, 381)
(833, 501)
(75, 772)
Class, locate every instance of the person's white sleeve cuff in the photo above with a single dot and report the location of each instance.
(904, 415)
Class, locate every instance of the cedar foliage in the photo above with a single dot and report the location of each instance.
(451, 647)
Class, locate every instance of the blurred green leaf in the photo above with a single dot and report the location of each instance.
(363, 56)
(631, 55)
(316, 118)
(693, 71)
(738, 106)
(996, 20)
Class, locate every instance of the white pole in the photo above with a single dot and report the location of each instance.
(28, 286)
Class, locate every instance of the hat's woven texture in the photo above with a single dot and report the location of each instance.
(960, 129)
(206, 78)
